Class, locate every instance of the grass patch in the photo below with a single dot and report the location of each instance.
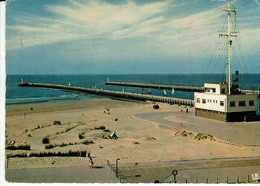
(49, 146)
(49, 154)
(60, 145)
(68, 129)
(151, 138)
(81, 136)
(20, 147)
(45, 140)
(56, 123)
(185, 133)
(87, 142)
(201, 136)
(102, 127)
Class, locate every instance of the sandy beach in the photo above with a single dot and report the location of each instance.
(139, 140)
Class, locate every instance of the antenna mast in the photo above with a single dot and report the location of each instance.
(229, 34)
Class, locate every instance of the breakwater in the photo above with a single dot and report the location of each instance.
(118, 94)
(170, 87)
(157, 86)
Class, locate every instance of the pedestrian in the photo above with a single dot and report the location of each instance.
(90, 161)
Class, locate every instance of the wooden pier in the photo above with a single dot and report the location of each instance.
(170, 87)
(118, 94)
(157, 86)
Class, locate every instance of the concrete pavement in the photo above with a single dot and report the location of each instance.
(103, 174)
(241, 133)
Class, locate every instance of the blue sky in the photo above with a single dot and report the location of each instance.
(128, 37)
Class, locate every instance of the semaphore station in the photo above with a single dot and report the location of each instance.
(225, 101)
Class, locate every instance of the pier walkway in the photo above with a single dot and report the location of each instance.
(118, 94)
(157, 86)
(170, 87)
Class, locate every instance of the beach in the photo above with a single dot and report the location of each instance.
(139, 140)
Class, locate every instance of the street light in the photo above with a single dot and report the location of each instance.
(174, 173)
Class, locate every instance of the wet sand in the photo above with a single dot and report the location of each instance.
(139, 140)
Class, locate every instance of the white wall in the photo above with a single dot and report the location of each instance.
(242, 97)
(210, 105)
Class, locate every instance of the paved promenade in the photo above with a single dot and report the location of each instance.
(62, 175)
(201, 171)
(241, 133)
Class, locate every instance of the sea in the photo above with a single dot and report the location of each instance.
(23, 95)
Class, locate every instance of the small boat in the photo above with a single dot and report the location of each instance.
(123, 90)
(150, 91)
(164, 92)
(172, 91)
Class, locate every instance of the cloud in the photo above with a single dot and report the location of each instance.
(149, 28)
(82, 19)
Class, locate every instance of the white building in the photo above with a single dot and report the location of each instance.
(215, 103)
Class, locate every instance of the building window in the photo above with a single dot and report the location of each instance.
(221, 103)
(198, 100)
(214, 90)
(223, 91)
(213, 101)
(216, 101)
(232, 103)
(251, 103)
(204, 101)
(242, 103)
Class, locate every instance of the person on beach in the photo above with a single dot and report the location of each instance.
(90, 161)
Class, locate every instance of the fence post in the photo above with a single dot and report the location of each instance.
(217, 180)
(7, 161)
(207, 180)
(227, 179)
(196, 181)
(186, 181)
(248, 179)
(237, 179)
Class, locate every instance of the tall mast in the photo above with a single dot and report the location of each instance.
(229, 34)
(228, 76)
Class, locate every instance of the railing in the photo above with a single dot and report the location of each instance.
(126, 95)
(157, 86)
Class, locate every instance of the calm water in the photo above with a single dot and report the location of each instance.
(20, 95)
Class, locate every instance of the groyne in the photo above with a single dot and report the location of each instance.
(118, 94)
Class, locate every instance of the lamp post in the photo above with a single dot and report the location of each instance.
(117, 167)
(174, 173)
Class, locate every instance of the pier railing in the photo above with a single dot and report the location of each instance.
(126, 95)
(157, 86)
(170, 87)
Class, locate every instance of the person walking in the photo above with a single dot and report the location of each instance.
(90, 162)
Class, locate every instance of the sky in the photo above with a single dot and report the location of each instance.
(129, 37)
